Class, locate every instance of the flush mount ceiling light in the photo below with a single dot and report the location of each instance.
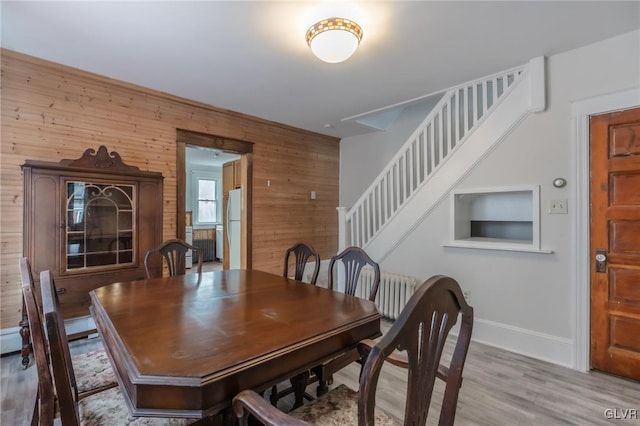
(334, 40)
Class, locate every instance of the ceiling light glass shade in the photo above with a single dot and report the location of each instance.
(334, 40)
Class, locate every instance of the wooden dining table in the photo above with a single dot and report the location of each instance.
(184, 346)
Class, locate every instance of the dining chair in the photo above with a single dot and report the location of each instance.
(415, 342)
(107, 407)
(300, 252)
(353, 260)
(44, 408)
(174, 253)
(91, 370)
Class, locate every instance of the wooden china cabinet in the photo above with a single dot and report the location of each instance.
(90, 221)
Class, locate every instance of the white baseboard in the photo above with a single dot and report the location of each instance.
(11, 341)
(545, 347)
(322, 273)
(77, 325)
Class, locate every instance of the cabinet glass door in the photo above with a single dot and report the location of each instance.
(100, 225)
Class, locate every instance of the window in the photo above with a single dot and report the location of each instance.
(207, 203)
(99, 229)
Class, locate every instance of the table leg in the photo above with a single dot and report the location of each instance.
(225, 417)
(322, 380)
(273, 397)
(299, 384)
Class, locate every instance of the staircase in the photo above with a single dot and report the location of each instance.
(465, 125)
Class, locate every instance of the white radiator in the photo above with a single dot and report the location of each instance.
(394, 291)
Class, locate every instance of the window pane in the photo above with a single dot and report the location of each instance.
(206, 189)
(98, 215)
(206, 211)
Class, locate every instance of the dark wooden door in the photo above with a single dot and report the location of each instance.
(615, 241)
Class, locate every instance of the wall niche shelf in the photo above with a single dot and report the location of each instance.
(496, 219)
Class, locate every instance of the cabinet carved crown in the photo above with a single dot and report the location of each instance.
(101, 159)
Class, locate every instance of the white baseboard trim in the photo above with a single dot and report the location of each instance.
(77, 325)
(322, 273)
(11, 341)
(545, 347)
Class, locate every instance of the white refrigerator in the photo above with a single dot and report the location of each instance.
(188, 237)
(234, 210)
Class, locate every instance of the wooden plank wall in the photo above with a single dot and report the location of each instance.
(51, 112)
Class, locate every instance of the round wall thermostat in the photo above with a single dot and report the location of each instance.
(559, 182)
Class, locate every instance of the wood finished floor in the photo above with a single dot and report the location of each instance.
(206, 267)
(499, 388)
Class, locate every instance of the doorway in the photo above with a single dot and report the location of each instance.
(615, 242)
(206, 205)
(230, 150)
(581, 112)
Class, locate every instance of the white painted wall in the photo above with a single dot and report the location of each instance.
(524, 302)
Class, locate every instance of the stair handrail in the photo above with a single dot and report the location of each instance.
(516, 73)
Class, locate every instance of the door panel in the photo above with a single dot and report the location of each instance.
(624, 189)
(624, 236)
(624, 333)
(624, 141)
(624, 286)
(615, 231)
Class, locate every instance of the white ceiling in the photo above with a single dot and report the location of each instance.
(196, 157)
(251, 57)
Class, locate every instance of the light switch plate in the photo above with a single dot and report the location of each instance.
(558, 206)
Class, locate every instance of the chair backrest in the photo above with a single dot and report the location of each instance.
(302, 251)
(421, 331)
(26, 276)
(45, 408)
(174, 253)
(49, 285)
(354, 259)
(63, 375)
